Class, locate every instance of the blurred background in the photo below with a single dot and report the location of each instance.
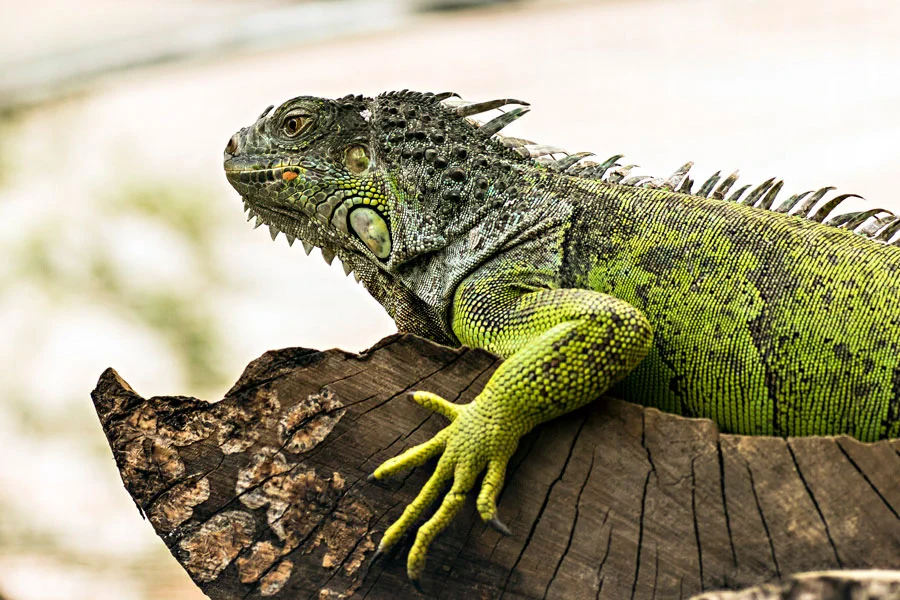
(123, 245)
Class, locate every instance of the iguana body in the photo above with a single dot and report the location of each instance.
(765, 322)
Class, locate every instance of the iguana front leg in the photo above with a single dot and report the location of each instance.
(565, 347)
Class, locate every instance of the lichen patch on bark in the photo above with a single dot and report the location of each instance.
(240, 423)
(143, 419)
(265, 464)
(342, 534)
(359, 555)
(306, 424)
(260, 559)
(154, 455)
(298, 502)
(164, 455)
(207, 551)
(176, 505)
(274, 580)
(199, 426)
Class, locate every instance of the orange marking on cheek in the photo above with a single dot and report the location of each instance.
(289, 175)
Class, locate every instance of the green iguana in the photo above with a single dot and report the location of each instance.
(768, 318)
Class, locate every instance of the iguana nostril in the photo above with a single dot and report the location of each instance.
(232, 146)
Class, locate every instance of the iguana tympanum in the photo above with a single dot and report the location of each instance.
(768, 318)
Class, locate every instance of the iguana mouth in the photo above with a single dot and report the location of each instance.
(272, 169)
(250, 175)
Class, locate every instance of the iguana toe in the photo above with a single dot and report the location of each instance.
(435, 403)
(413, 457)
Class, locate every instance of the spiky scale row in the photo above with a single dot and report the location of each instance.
(327, 255)
(763, 196)
(468, 110)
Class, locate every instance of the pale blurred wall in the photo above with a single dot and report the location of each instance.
(125, 246)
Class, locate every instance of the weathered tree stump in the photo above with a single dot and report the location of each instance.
(264, 494)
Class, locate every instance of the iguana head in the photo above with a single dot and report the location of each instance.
(307, 170)
(379, 182)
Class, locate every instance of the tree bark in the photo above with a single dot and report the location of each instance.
(264, 494)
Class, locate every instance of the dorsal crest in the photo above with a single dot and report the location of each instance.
(877, 224)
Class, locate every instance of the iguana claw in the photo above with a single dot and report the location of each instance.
(499, 526)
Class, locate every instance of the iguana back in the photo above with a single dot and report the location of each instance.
(765, 322)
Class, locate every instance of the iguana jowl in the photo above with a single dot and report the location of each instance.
(709, 302)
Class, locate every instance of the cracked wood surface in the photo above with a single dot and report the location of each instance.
(263, 495)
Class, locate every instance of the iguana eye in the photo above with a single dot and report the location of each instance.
(372, 230)
(294, 125)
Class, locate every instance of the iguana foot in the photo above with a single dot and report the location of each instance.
(474, 441)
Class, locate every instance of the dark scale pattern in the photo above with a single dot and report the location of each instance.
(748, 308)
(768, 316)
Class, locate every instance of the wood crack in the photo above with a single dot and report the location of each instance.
(763, 519)
(869, 481)
(446, 365)
(721, 457)
(605, 554)
(640, 543)
(652, 471)
(574, 527)
(546, 501)
(696, 525)
(812, 497)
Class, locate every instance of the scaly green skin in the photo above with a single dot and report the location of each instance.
(765, 322)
